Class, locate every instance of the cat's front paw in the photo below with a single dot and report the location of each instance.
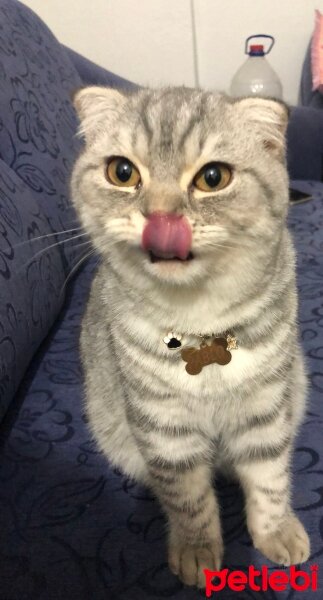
(288, 545)
(188, 561)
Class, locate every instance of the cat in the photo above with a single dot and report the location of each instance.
(185, 195)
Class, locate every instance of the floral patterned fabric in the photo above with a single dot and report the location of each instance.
(38, 122)
(74, 529)
(31, 279)
(37, 149)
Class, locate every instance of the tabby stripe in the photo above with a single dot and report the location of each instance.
(280, 334)
(187, 510)
(271, 491)
(260, 453)
(142, 388)
(273, 372)
(269, 192)
(180, 466)
(174, 448)
(156, 416)
(260, 420)
(193, 529)
(289, 413)
(147, 425)
(283, 473)
(166, 430)
(204, 525)
(144, 119)
(190, 538)
(263, 420)
(194, 120)
(168, 480)
(132, 349)
(137, 363)
(275, 517)
(276, 299)
(83, 172)
(128, 340)
(259, 338)
(276, 499)
(184, 504)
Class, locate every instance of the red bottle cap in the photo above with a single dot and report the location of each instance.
(256, 50)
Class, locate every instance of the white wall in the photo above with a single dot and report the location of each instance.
(151, 41)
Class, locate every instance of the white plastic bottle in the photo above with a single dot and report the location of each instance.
(256, 77)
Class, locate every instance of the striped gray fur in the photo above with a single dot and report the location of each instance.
(170, 430)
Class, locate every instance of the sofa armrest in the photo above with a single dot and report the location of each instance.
(305, 144)
(93, 74)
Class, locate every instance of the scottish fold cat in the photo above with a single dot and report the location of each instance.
(189, 342)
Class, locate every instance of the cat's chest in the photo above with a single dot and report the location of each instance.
(146, 356)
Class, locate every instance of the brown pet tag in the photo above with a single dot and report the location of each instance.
(206, 354)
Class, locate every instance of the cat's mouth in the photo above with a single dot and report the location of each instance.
(167, 257)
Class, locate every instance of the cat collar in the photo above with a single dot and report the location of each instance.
(212, 349)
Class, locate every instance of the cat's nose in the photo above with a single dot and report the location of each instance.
(167, 234)
(162, 197)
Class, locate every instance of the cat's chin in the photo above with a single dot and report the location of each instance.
(174, 270)
(154, 258)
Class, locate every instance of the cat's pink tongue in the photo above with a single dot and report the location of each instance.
(167, 235)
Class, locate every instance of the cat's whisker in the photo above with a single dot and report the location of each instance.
(124, 235)
(208, 229)
(76, 267)
(115, 241)
(207, 244)
(230, 245)
(32, 258)
(47, 235)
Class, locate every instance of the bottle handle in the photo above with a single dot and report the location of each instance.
(262, 35)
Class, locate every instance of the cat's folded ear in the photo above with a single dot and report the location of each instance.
(91, 102)
(270, 117)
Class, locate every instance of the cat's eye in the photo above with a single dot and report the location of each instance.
(122, 172)
(213, 177)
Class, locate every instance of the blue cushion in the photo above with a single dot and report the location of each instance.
(37, 119)
(305, 144)
(31, 280)
(37, 150)
(93, 74)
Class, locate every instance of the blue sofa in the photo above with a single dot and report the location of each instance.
(71, 528)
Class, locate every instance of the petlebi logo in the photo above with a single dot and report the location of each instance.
(261, 580)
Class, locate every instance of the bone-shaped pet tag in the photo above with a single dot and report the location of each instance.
(206, 354)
